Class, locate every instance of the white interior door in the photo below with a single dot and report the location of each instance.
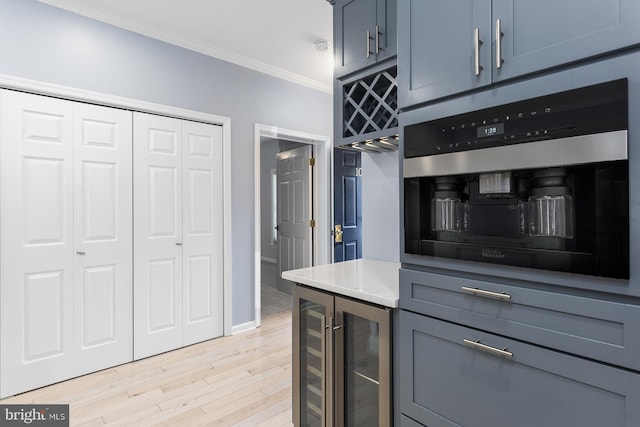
(36, 225)
(295, 242)
(103, 238)
(157, 234)
(202, 248)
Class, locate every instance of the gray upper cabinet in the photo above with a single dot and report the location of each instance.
(436, 55)
(446, 48)
(364, 33)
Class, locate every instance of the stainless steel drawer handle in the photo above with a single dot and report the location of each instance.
(483, 347)
(377, 40)
(487, 294)
(368, 44)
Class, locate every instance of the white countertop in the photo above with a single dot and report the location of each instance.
(364, 279)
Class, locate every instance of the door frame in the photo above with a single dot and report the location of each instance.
(322, 199)
(81, 95)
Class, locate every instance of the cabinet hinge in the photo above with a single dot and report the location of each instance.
(312, 223)
(312, 162)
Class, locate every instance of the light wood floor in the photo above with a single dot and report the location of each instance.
(242, 380)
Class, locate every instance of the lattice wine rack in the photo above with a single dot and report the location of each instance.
(370, 105)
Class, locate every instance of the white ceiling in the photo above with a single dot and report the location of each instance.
(272, 36)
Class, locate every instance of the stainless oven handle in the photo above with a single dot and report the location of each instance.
(476, 52)
(573, 150)
(487, 348)
(487, 294)
(499, 35)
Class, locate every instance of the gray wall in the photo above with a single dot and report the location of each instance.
(380, 206)
(43, 43)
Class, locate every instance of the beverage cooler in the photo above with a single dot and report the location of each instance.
(341, 361)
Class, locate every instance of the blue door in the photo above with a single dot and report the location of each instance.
(347, 211)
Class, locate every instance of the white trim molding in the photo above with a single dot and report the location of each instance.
(322, 198)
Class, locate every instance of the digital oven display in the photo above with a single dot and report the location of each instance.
(490, 130)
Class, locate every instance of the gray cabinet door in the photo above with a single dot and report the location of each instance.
(364, 33)
(436, 49)
(544, 34)
(354, 24)
(457, 376)
(387, 21)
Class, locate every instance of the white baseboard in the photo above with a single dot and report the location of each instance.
(243, 327)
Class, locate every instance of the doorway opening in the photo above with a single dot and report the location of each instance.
(269, 140)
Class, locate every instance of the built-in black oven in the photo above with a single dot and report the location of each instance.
(541, 183)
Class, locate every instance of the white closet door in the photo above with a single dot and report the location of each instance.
(157, 234)
(103, 238)
(36, 225)
(202, 232)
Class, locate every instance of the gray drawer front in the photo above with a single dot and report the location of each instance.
(446, 383)
(597, 329)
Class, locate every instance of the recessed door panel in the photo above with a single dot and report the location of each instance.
(99, 306)
(299, 254)
(99, 133)
(285, 244)
(43, 126)
(201, 146)
(285, 199)
(300, 201)
(199, 289)
(44, 201)
(100, 207)
(43, 315)
(163, 201)
(200, 198)
(163, 141)
(162, 294)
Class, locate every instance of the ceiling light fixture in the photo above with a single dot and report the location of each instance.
(321, 45)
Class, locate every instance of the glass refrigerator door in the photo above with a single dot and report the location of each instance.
(311, 392)
(363, 392)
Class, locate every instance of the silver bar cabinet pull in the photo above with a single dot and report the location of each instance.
(499, 35)
(487, 348)
(368, 44)
(476, 51)
(377, 40)
(81, 253)
(178, 244)
(487, 294)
